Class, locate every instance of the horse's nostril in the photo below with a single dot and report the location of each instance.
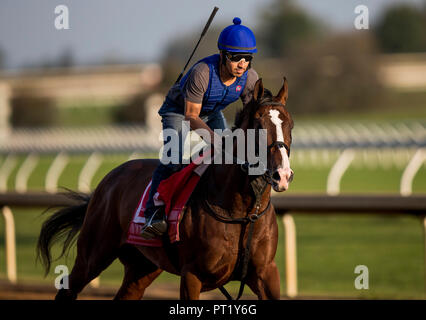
(276, 176)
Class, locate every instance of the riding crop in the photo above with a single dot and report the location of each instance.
(199, 40)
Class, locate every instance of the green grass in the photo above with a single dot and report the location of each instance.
(329, 246)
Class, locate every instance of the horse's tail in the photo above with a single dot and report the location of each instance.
(64, 226)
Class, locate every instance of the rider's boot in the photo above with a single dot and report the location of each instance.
(156, 225)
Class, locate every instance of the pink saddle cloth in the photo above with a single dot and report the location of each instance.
(174, 193)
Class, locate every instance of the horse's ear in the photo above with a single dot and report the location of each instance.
(258, 90)
(283, 94)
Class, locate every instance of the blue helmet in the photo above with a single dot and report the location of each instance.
(237, 38)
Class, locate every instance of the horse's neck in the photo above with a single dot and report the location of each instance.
(229, 187)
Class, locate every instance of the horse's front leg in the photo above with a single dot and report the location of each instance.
(190, 286)
(265, 282)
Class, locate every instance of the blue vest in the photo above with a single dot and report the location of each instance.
(218, 96)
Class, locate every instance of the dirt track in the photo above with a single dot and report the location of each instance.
(157, 291)
(44, 292)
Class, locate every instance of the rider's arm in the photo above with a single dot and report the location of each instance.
(192, 114)
(194, 90)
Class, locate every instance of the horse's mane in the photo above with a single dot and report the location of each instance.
(248, 110)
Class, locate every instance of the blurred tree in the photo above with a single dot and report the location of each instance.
(65, 59)
(337, 75)
(340, 76)
(285, 27)
(402, 29)
(33, 111)
(134, 112)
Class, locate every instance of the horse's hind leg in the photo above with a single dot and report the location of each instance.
(85, 270)
(139, 274)
(95, 253)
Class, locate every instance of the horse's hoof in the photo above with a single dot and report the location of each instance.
(65, 294)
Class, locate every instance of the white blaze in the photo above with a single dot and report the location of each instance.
(280, 136)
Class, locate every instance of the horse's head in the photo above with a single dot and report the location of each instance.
(268, 112)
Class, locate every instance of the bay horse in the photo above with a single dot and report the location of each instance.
(209, 253)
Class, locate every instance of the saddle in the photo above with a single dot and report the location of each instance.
(173, 193)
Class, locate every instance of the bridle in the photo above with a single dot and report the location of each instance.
(277, 144)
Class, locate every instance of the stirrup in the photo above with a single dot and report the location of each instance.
(154, 227)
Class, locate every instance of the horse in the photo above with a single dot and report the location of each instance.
(209, 253)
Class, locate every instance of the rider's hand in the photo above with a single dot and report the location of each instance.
(217, 145)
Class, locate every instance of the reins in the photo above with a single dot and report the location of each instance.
(251, 218)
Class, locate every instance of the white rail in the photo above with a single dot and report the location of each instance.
(5, 171)
(24, 172)
(411, 170)
(56, 168)
(290, 255)
(84, 182)
(337, 171)
(10, 244)
(86, 175)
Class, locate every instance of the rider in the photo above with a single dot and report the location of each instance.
(209, 86)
